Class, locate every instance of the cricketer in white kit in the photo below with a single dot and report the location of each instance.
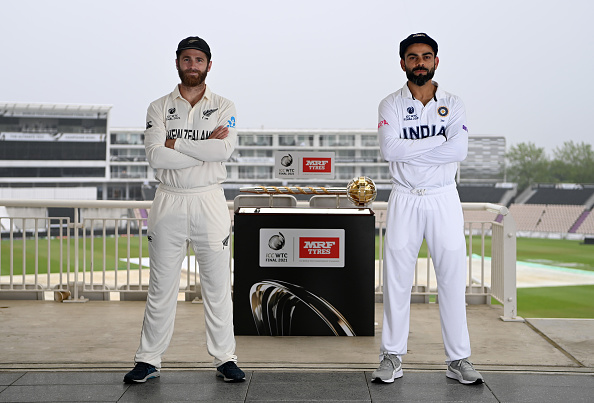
(423, 135)
(190, 133)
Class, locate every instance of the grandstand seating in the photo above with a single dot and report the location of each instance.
(546, 218)
(527, 216)
(587, 226)
(481, 194)
(554, 195)
(559, 218)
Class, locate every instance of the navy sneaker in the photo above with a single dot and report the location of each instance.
(141, 372)
(230, 373)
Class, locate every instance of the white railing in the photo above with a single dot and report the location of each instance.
(75, 266)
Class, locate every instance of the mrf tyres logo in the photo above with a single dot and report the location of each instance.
(319, 247)
(277, 243)
(316, 165)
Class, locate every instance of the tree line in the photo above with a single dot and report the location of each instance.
(528, 164)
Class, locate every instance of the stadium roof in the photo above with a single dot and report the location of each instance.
(50, 109)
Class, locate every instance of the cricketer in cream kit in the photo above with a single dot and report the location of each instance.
(198, 163)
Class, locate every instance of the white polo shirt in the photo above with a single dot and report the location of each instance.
(411, 138)
(197, 160)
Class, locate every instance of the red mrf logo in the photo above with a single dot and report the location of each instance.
(316, 165)
(319, 247)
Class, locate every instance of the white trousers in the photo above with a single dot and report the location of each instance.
(435, 215)
(202, 217)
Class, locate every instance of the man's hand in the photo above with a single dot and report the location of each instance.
(219, 133)
(170, 143)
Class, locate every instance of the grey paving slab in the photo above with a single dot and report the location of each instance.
(202, 376)
(298, 386)
(187, 387)
(7, 378)
(520, 379)
(427, 387)
(62, 393)
(575, 336)
(541, 388)
(70, 378)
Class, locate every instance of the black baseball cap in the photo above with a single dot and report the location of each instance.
(193, 42)
(417, 38)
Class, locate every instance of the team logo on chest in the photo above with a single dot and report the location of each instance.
(443, 111)
(411, 114)
(206, 114)
(171, 115)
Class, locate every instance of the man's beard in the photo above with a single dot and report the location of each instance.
(420, 79)
(192, 81)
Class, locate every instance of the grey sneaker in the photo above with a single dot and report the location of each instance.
(389, 369)
(464, 372)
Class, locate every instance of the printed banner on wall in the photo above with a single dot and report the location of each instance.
(301, 247)
(74, 137)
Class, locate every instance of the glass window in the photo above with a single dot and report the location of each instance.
(345, 172)
(369, 141)
(345, 155)
(47, 150)
(287, 140)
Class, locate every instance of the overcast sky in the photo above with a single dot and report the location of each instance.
(519, 66)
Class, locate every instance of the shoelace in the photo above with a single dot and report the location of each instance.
(387, 363)
(465, 364)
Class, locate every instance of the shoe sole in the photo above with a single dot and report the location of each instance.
(220, 375)
(453, 375)
(395, 375)
(149, 376)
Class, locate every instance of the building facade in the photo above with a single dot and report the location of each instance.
(53, 145)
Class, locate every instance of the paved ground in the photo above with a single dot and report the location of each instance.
(260, 386)
(53, 351)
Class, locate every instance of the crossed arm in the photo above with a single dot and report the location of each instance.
(429, 151)
(185, 153)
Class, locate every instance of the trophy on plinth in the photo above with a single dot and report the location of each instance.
(360, 191)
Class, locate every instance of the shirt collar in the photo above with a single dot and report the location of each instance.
(177, 94)
(407, 94)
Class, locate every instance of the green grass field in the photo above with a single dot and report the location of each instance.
(544, 302)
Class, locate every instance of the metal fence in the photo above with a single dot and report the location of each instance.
(68, 256)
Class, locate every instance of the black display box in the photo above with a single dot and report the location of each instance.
(304, 272)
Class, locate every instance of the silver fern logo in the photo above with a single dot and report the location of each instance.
(206, 114)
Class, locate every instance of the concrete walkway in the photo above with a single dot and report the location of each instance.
(53, 351)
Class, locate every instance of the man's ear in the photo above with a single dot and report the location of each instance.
(402, 65)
